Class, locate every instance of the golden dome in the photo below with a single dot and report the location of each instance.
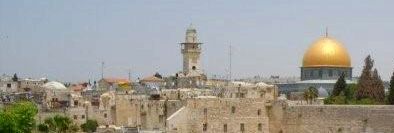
(326, 52)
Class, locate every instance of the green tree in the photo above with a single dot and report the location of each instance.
(365, 82)
(90, 126)
(390, 97)
(60, 124)
(349, 91)
(74, 128)
(15, 78)
(335, 100)
(378, 87)
(310, 94)
(43, 128)
(340, 86)
(18, 117)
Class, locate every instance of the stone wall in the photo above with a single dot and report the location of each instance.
(213, 115)
(331, 119)
(144, 113)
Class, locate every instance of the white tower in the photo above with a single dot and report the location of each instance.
(191, 50)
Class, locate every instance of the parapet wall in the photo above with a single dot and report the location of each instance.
(332, 119)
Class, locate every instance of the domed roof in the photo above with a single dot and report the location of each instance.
(54, 85)
(326, 52)
(322, 92)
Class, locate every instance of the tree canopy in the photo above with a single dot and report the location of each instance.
(18, 117)
(15, 78)
(368, 90)
(370, 85)
(58, 123)
(90, 126)
(310, 94)
(340, 86)
(390, 97)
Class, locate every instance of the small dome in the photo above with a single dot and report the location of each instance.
(326, 52)
(54, 85)
(262, 84)
(322, 92)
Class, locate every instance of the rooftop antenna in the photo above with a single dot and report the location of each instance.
(230, 63)
(102, 70)
(326, 31)
(130, 74)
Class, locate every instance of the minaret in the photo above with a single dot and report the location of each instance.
(191, 50)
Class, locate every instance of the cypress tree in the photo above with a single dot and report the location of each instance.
(391, 91)
(378, 87)
(365, 82)
(340, 86)
(15, 78)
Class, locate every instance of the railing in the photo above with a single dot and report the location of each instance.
(191, 50)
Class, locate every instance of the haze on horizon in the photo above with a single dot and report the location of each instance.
(68, 40)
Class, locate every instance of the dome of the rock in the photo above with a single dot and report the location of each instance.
(326, 52)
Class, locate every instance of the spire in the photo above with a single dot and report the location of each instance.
(191, 27)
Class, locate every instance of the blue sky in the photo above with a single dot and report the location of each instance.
(67, 40)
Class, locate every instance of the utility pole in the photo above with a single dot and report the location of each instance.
(130, 75)
(230, 64)
(326, 31)
(102, 70)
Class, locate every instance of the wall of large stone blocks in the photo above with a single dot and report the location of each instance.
(332, 119)
(78, 115)
(215, 113)
(122, 109)
(144, 113)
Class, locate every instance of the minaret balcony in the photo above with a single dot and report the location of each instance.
(195, 50)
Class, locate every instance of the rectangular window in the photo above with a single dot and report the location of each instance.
(75, 117)
(320, 73)
(105, 115)
(259, 112)
(242, 127)
(232, 109)
(225, 128)
(8, 85)
(83, 117)
(161, 118)
(260, 127)
(204, 127)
